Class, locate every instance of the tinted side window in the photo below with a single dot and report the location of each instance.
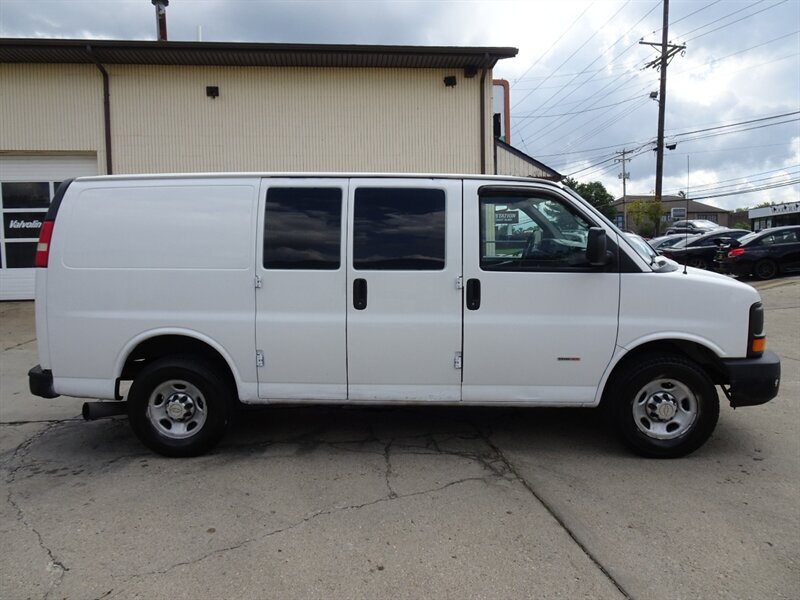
(399, 229)
(303, 228)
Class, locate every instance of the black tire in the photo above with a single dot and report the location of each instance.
(179, 407)
(766, 268)
(698, 262)
(637, 394)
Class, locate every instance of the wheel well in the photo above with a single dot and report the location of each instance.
(697, 353)
(174, 345)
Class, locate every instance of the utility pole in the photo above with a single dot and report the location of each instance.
(624, 175)
(668, 51)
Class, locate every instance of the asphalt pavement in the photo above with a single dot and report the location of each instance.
(398, 502)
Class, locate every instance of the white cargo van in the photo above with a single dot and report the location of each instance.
(207, 291)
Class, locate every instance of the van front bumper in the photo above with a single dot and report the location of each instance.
(40, 382)
(753, 381)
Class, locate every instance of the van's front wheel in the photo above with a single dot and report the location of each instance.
(178, 406)
(664, 406)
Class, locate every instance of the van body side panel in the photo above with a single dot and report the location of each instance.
(672, 305)
(404, 244)
(131, 258)
(539, 338)
(300, 315)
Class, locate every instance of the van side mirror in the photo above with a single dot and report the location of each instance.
(596, 247)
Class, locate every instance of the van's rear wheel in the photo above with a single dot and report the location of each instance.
(179, 406)
(664, 406)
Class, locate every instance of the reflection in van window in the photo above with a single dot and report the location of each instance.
(531, 234)
(399, 229)
(303, 228)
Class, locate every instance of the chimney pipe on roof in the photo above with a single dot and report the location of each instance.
(161, 18)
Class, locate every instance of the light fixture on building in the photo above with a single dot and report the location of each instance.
(450, 81)
(212, 91)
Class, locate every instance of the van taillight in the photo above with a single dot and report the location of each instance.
(735, 252)
(43, 247)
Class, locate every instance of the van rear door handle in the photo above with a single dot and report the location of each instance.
(359, 294)
(473, 294)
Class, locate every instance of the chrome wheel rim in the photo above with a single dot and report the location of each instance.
(177, 409)
(665, 409)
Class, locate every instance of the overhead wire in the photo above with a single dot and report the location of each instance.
(554, 44)
(736, 21)
(749, 191)
(589, 39)
(554, 125)
(707, 6)
(718, 19)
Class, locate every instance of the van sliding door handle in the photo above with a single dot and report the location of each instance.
(473, 294)
(359, 294)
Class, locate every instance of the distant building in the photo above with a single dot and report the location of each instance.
(675, 208)
(776, 215)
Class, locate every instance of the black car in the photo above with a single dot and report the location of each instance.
(765, 254)
(699, 251)
(693, 226)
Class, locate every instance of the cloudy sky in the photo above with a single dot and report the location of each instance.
(580, 86)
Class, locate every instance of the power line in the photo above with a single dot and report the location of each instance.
(780, 116)
(554, 44)
(732, 186)
(717, 20)
(554, 125)
(737, 20)
(590, 38)
(689, 15)
(578, 112)
(750, 191)
(747, 178)
(719, 133)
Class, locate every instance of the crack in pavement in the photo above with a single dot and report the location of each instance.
(300, 523)
(19, 453)
(18, 345)
(55, 421)
(555, 514)
(492, 460)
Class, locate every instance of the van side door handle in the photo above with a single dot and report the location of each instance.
(359, 294)
(473, 294)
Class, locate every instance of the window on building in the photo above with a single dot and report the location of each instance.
(303, 228)
(708, 217)
(23, 206)
(398, 229)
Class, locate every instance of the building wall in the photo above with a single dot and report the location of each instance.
(51, 108)
(265, 119)
(510, 164)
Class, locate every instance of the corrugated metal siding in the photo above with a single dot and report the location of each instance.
(298, 119)
(51, 108)
(509, 164)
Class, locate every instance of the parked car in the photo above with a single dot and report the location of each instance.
(765, 254)
(667, 241)
(692, 226)
(699, 251)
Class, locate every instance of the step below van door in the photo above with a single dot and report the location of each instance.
(540, 324)
(300, 289)
(403, 298)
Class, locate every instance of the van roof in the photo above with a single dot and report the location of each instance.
(315, 175)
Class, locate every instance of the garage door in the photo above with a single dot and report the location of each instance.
(27, 184)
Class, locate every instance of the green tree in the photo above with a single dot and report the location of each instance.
(646, 215)
(595, 193)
